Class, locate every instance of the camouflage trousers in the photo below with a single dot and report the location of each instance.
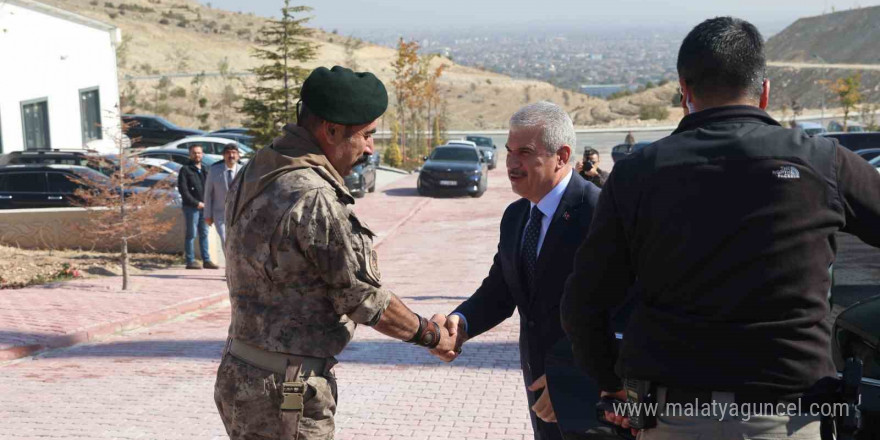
(249, 401)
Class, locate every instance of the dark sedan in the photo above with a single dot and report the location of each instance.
(363, 177)
(857, 141)
(54, 186)
(148, 130)
(454, 169)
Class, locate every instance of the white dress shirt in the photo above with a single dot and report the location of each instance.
(547, 205)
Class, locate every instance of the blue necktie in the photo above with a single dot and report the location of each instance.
(530, 244)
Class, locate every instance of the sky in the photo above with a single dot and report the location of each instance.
(356, 17)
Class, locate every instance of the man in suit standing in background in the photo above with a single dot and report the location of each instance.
(220, 177)
(539, 236)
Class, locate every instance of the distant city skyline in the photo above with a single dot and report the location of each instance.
(369, 17)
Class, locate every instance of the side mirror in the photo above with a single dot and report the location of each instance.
(494, 147)
(424, 158)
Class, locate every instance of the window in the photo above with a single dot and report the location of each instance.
(90, 114)
(149, 124)
(35, 120)
(61, 183)
(26, 182)
(3, 182)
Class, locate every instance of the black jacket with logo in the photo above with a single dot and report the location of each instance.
(191, 185)
(729, 227)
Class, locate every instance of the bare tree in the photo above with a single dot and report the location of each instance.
(120, 209)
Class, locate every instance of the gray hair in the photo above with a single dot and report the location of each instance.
(557, 125)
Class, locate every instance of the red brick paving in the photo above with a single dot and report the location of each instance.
(157, 381)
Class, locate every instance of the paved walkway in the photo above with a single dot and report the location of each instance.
(157, 381)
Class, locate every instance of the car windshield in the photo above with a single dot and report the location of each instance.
(481, 141)
(173, 166)
(91, 175)
(455, 154)
(134, 169)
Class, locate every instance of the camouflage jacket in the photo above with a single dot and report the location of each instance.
(300, 265)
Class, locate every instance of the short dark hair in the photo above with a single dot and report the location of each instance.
(590, 152)
(191, 146)
(723, 58)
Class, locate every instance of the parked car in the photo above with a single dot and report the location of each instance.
(106, 164)
(851, 127)
(210, 145)
(454, 169)
(622, 150)
(811, 128)
(857, 141)
(177, 155)
(869, 153)
(30, 186)
(159, 165)
(487, 147)
(363, 177)
(149, 130)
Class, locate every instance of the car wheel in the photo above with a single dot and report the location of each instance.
(362, 188)
(421, 191)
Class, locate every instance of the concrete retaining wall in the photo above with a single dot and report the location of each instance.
(58, 229)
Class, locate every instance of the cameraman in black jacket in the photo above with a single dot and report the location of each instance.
(191, 185)
(728, 225)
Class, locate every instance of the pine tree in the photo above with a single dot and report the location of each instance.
(271, 102)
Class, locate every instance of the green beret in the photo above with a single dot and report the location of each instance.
(342, 96)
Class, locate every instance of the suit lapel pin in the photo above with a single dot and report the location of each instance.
(566, 215)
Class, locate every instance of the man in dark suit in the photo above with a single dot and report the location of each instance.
(539, 236)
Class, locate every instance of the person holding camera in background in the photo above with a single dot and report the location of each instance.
(589, 168)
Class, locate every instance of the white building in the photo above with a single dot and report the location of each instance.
(58, 83)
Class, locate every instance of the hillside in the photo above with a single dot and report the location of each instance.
(842, 37)
(180, 38)
(800, 52)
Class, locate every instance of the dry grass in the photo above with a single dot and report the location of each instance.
(24, 267)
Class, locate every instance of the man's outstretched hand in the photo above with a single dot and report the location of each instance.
(455, 328)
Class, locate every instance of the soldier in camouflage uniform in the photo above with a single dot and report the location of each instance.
(301, 269)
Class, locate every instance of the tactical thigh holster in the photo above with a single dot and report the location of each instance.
(292, 390)
(293, 369)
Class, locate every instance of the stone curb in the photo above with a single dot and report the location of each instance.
(103, 329)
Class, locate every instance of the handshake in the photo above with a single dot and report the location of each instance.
(452, 336)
